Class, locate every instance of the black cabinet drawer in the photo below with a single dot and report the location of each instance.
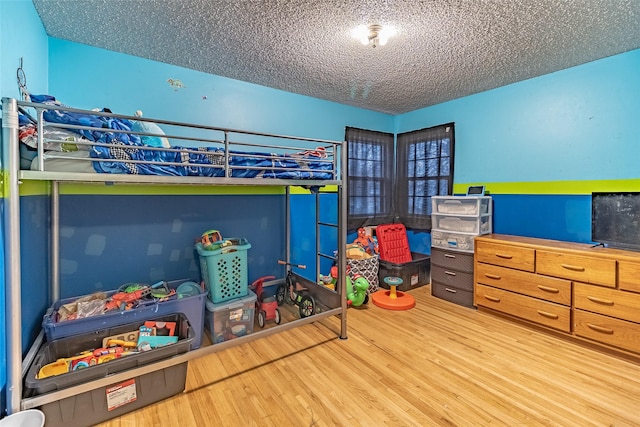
(450, 277)
(451, 294)
(452, 259)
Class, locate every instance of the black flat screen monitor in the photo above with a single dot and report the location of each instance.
(475, 190)
(615, 219)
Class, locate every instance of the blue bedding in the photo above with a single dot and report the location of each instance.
(124, 153)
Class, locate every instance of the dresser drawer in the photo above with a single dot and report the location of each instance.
(629, 276)
(615, 332)
(584, 268)
(451, 277)
(450, 259)
(612, 302)
(517, 257)
(543, 312)
(544, 287)
(451, 294)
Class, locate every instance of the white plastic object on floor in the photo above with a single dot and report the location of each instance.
(28, 418)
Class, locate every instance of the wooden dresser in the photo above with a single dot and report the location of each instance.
(588, 292)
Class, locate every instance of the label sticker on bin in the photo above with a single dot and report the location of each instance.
(121, 394)
(236, 315)
(414, 279)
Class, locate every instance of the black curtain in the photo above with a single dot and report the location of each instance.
(370, 177)
(424, 168)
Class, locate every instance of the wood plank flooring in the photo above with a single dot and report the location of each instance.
(437, 364)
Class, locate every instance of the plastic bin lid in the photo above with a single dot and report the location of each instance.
(232, 303)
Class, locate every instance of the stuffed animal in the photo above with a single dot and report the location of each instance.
(367, 242)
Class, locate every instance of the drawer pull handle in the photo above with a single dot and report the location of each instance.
(600, 329)
(490, 298)
(548, 289)
(499, 255)
(450, 273)
(600, 301)
(547, 314)
(453, 291)
(449, 256)
(572, 267)
(493, 276)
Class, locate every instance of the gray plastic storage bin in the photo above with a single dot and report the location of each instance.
(230, 319)
(97, 406)
(67, 347)
(192, 307)
(414, 273)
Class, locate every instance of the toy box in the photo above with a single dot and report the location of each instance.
(191, 306)
(224, 270)
(393, 243)
(70, 346)
(101, 404)
(231, 319)
(413, 274)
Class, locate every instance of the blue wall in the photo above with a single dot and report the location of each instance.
(576, 124)
(130, 83)
(541, 146)
(22, 36)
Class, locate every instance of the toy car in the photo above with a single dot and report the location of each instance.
(266, 307)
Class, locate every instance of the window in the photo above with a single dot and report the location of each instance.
(424, 169)
(370, 177)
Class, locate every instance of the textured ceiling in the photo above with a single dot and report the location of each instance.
(444, 49)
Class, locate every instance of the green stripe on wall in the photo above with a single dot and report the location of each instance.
(167, 190)
(554, 187)
(326, 189)
(34, 188)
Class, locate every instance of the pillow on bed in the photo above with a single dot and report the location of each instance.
(148, 127)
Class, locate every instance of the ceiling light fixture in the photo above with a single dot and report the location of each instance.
(373, 34)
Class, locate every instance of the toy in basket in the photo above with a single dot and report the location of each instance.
(224, 269)
(212, 240)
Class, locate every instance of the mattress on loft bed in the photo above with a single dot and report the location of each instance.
(112, 149)
(179, 161)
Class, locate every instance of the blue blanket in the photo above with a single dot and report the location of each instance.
(124, 153)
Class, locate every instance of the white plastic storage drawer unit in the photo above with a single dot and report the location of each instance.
(454, 205)
(462, 224)
(456, 221)
(455, 241)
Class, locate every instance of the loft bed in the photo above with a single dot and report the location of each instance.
(49, 142)
(77, 144)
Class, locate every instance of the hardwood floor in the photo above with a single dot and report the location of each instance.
(437, 364)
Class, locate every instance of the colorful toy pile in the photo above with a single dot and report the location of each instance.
(128, 296)
(152, 334)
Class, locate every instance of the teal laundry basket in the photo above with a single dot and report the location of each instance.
(224, 270)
